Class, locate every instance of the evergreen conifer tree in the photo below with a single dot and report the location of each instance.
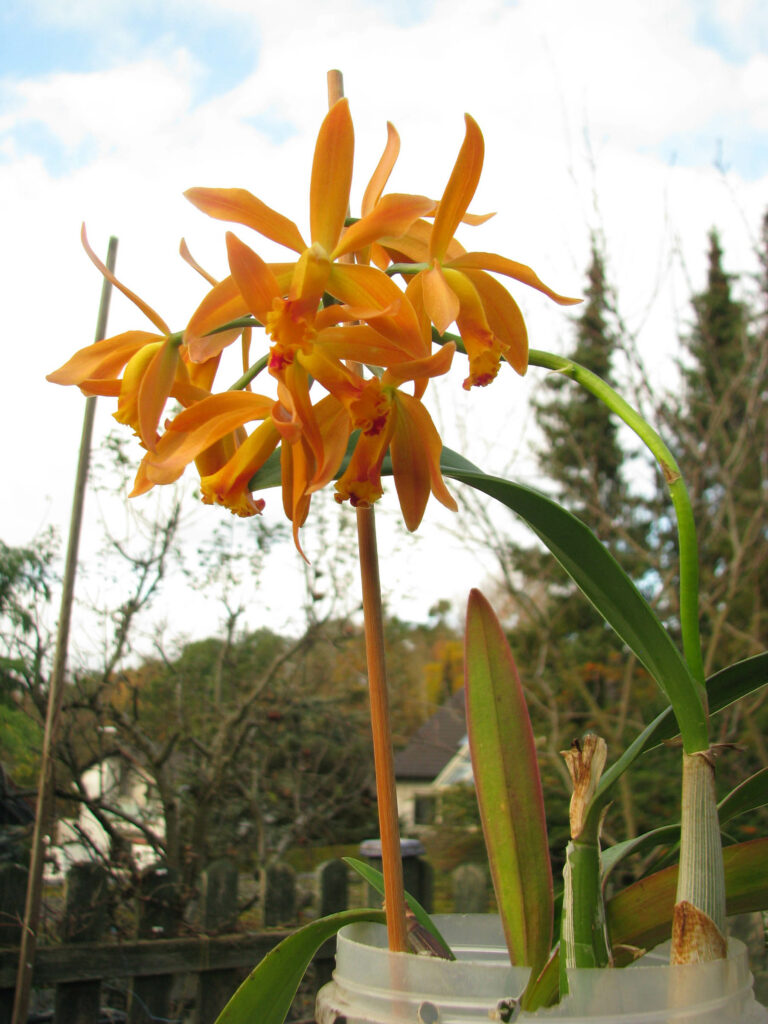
(719, 433)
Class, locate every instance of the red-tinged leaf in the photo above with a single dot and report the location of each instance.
(641, 915)
(508, 788)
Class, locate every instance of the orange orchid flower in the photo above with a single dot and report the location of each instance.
(316, 271)
(456, 286)
(391, 420)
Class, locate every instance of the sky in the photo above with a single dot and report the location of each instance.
(646, 124)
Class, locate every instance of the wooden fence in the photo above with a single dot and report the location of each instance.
(172, 979)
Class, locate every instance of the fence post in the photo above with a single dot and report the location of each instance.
(470, 890)
(418, 876)
(279, 895)
(218, 903)
(333, 887)
(77, 1002)
(13, 889)
(159, 912)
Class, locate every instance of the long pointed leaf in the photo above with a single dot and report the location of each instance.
(267, 993)
(602, 580)
(508, 787)
(375, 879)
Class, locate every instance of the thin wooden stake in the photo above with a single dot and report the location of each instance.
(383, 755)
(43, 817)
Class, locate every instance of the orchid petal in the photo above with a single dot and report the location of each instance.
(154, 391)
(433, 366)
(204, 423)
(331, 176)
(360, 286)
(504, 318)
(392, 216)
(223, 303)
(500, 265)
(459, 191)
(413, 246)
(188, 258)
(255, 281)
(229, 485)
(102, 360)
(240, 207)
(415, 450)
(440, 303)
(148, 312)
(380, 176)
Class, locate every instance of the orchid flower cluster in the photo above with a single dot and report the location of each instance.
(330, 314)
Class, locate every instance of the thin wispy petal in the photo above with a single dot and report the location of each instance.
(331, 176)
(460, 189)
(380, 176)
(500, 265)
(239, 206)
(187, 256)
(148, 312)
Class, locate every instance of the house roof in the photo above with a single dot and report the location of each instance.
(435, 743)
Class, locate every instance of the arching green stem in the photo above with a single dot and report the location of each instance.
(686, 530)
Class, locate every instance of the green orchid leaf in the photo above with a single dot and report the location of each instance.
(611, 856)
(267, 993)
(747, 796)
(375, 879)
(606, 585)
(723, 689)
(508, 786)
(641, 915)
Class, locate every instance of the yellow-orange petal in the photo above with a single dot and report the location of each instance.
(331, 176)
(241, 207)
(104, 359)
(413, 246)
(380, 176)
(229, 486)
(154, 391)
(391, 217)
(500, 265)
(223, 303)
(432, 366)
(188, 258)
(204, 423)
(504, 318)
(415, 450)
(255, 280)
(361, 287)
(459, 190)
(147, 310)
(440, 303)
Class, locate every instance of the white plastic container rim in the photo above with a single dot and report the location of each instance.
(373, 986)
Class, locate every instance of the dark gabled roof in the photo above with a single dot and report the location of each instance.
(435, 743)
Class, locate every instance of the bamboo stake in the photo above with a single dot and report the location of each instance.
(383, 756)
(43, 816)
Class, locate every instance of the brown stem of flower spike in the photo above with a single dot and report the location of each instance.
(383, 758)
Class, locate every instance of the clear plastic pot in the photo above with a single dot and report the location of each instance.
(373, 986)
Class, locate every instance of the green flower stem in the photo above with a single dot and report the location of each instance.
(583, 941)
(406, 268)
(250, 373)
(686, 530)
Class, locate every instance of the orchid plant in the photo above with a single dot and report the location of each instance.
(355, 330)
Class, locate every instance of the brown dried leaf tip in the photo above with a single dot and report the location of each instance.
(585, 761)
(695, 936)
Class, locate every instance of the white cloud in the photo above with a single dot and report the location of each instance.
(538, 76)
